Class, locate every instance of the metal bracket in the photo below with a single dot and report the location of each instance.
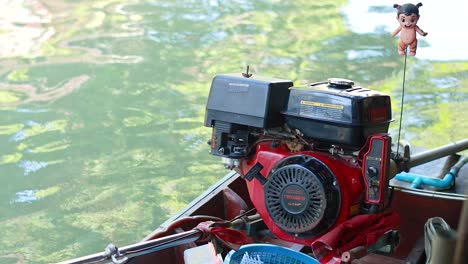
(113, 252)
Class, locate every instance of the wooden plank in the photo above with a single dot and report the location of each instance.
(417, 254)
(375, 258)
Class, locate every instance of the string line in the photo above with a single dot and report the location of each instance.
(401, 107)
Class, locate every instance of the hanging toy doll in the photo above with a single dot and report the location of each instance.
(407, 16)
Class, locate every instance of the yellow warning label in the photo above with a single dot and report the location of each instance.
(333, 106)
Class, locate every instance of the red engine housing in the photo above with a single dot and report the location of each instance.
(348, 176)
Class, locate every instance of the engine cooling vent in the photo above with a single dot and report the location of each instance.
(299, 199)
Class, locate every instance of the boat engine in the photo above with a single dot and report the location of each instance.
(312, 156)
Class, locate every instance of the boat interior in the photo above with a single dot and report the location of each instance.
(414, 206)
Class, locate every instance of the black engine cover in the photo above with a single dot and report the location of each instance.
(337, 113)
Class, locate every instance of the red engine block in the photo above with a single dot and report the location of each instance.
(348, 175)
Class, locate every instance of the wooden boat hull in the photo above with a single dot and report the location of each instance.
(414, 208)
(229, 196)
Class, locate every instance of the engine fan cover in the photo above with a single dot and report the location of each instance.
(302, 196)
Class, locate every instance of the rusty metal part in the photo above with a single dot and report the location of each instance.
(294, 145)
(449, 163)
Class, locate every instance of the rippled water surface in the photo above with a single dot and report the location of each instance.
(102, 102)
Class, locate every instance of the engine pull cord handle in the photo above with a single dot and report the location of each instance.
(254, 172)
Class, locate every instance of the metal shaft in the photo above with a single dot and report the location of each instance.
(437, 153)
(143, 247)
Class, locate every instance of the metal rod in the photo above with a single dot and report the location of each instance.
(437, 153)
(352, 254)
(402, 103)
(162, 243)
(144, 247)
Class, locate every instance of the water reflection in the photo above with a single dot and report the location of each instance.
(363, 54)
(26, 196)
(27, 93)
(29, 196)
(25, 26)
(34, 128)
(30, 166)
(25, 110)
(446, 82)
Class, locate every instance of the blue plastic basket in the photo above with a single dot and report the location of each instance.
(268, 254)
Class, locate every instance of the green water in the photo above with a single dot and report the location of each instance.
(102, 102)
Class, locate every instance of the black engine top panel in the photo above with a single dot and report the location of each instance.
(256, 101)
